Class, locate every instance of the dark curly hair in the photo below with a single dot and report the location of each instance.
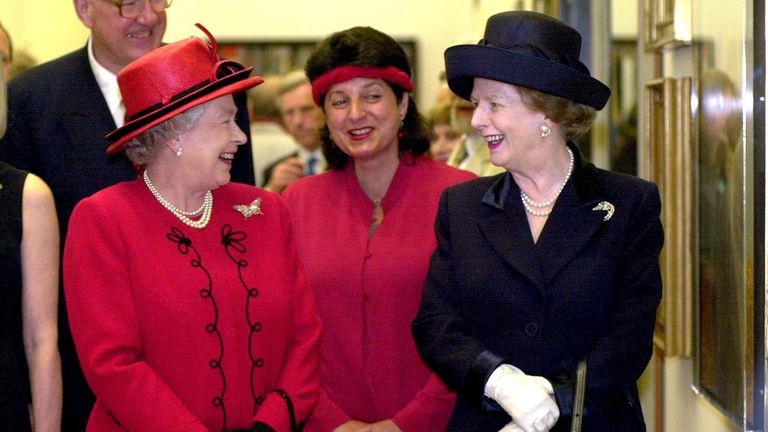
(366, 47)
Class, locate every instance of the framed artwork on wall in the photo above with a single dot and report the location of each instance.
(667, 22)
(623, 106)
(549, 7)
(282, 56)
(667, 132)
(725, 357)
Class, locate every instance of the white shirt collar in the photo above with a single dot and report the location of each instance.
(107, 82)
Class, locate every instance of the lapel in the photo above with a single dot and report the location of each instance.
(506, 231)
(568, 230)
(573, 222)
(85, 114)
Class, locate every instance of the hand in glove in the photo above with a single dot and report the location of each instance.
(511, 427)
(529, 400)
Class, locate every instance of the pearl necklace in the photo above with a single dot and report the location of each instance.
(530, 204)
(205, 209)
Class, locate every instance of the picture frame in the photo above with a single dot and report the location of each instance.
(725, 358)
(667, 23)
(667, 132)
(278, 57)
(549, 7)
(624, 106)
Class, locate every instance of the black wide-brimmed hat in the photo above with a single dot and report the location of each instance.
(527, 49)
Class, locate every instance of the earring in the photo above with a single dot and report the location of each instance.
(545, 130)
(178, 151)
(400, 132)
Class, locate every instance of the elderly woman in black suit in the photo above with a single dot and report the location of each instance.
(550, 263)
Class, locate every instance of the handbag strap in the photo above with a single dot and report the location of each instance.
(578, 397)
(295, 426)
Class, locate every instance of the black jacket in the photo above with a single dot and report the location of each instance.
(588, 287)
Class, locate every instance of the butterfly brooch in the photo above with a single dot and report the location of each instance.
(606, 207)
(251, 209)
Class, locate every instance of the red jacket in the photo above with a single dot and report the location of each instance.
(368, 293)
(166, 331)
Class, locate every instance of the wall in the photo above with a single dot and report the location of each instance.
(722, 22)
(45, 28)
(685, 410)
(624, 18)
(49, 28)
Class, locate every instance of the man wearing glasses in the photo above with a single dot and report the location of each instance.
(59, 113)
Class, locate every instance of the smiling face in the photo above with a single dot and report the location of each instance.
(508, 125)
(363, 116)
(118, 41)
(210, 146)
(301, 117)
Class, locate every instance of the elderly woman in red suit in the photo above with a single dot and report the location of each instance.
(365, 230)
(188, 305)
(549, 263)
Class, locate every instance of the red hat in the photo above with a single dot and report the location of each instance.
(172, 79)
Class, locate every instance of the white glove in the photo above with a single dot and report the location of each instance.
(529, 400)
(511, 427)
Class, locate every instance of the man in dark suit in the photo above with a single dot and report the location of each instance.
(59, 113)
(303, 120)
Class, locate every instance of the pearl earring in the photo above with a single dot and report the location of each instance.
(545, 130)
(178, 151)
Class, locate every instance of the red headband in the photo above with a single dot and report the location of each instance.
(391, 74)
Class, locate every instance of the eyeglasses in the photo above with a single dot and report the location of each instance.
(134, 8)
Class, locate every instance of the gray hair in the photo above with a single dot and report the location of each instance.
(290, 81)
(142, 148)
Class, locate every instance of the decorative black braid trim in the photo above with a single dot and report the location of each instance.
(261, 427)
(234, 243)
(114, 419)
(295, 426)
(184, 246)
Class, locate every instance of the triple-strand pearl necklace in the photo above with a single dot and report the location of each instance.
(184, 216)
(530, 205)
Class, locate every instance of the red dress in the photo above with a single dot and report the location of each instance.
(185, 329)
(368, 292)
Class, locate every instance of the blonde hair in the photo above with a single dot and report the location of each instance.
(439, 114)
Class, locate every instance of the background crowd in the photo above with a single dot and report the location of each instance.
(250, 253)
